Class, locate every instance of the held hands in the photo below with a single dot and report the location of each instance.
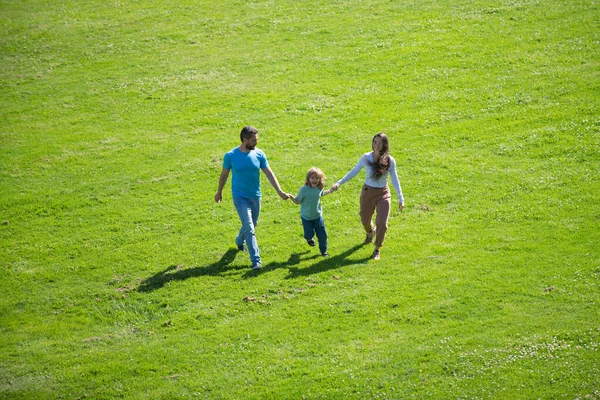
(283, 195)
(335, 187)
(293, 199)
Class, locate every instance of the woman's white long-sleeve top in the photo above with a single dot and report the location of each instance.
(366, 160)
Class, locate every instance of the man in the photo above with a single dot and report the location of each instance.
(246, 161)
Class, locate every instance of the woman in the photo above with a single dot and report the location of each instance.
(375, 194)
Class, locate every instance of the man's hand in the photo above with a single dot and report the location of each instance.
(400, 206)
(283, 195)
(222, 179)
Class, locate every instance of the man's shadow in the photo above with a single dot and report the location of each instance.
(174, 273)
(329, 263)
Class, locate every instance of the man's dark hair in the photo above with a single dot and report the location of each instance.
(247, 132)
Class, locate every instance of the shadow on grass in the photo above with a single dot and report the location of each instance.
(174, 274)
(329, 263)
(293, 260)
(325, 264)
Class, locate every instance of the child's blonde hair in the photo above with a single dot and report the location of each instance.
(315, 171)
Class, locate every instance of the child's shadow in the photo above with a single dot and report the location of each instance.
(293, 260)
(338, 261)
(173, 273)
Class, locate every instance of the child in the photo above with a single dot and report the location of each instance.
(309, 198)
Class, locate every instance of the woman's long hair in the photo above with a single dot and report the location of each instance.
(382, 163)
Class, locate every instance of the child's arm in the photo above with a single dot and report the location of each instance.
(293, 199)
(332, 189)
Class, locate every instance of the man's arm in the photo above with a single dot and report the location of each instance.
(273, 180)
(222, 181)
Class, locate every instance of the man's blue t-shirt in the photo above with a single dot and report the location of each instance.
(246, 167)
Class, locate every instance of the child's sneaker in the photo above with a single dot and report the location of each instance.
(325, 254)
(376, 254)
(256, 267)
(311, 242)
(370, 236)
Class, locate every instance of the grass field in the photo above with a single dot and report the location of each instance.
(118, 271)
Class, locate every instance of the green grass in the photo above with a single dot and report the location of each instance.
(119, 277)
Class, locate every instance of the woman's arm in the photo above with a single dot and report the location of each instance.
(362, 162)
(396, 183)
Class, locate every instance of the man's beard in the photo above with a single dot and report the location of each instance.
(250, 146)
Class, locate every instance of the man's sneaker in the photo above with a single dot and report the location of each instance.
(376, 254)
(311, 242)
(256, 267)
(241, 247)
(370, 236)
(325, 254)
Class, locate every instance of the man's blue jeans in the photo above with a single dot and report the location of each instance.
(248, 210)
(315, 226)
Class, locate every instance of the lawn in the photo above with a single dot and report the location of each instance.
(119, 274)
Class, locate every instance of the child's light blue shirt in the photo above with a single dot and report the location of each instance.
(310, 202)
